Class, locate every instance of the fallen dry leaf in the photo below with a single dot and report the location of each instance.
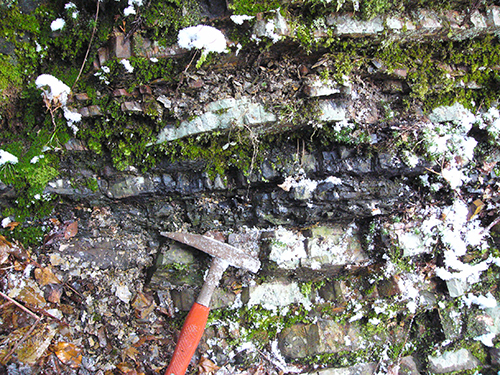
(55, 221)
(5, 247)
(53, 293)
(33, 348)
(12, 225)
(474, 209)
(68, 353)
(143, 305)
(127, 369)
(131, 353)
(45, 276)
(206, 366)
(71, 230)
(28, 292)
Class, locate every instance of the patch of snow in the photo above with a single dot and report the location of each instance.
(239, 19)
(131, 9)
(72, 6)
(484, 302)
(333, 180)
(280, 362)
(490, 121)
(126, 64)
(272, 296)
(71, 118)
(486, 339)
(206, 38)
(57, 91)
(7, 157)
(287, 248)
(35, 159)
(57, 24)
(359, 315)
(6, 221)
(270, 31)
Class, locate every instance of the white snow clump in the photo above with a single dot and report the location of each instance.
(56, 93)
(57, 24)
(239, 19)
(456, 233)
(206, 38)
(7, 157)
(130, 9)
(72, 7)
(126, 64)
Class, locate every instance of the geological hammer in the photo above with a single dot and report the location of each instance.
(224, 255)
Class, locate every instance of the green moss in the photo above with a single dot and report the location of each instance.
(251, 8)
(164, 19)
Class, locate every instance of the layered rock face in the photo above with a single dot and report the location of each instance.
(368, 196)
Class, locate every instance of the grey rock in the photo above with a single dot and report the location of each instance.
(90, 111)
(331, 111)
(222, 298)
(274, 28)
(221, 114)
(60, 186)
(274, 294)
(333, 246)
(167, 103)
(268, 170)
(427, 21)
(408, 366)
(28, 6)
(103, 55)
(129, 251)
(183, 299)
(359, 369)
(347, 25)
(451, 321)
(450, 361)
(131, 107)
(129, 186)
(121, 47)
(169, 182)
(75, 145)
(427, 299)
(319, 87)
(219, 183)
(6, 47)
(188, 184)
(457, 287)
(302, 340)
(493, 18)
(454, 113)
(478, 20)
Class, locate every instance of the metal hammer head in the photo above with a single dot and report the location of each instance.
(232, 255)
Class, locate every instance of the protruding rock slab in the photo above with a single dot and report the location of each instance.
(274, 295)
(359, 369)
(450, 361)
(220, 114)
(327, 247)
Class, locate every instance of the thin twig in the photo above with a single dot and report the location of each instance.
(20, 306)
(90, 45)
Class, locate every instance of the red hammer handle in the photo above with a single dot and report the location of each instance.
(190, 336)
